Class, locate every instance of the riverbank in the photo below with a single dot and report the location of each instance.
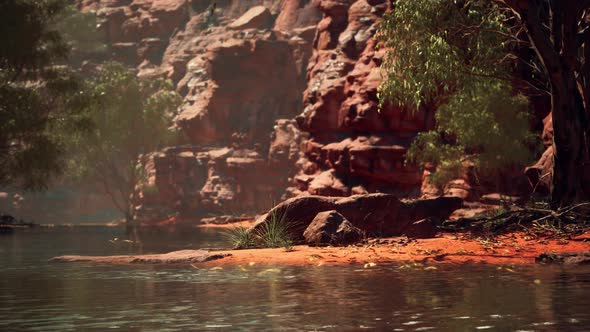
(513, 248)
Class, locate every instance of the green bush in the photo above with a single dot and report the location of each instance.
(451, 57)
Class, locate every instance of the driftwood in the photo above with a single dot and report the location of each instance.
(574, 219)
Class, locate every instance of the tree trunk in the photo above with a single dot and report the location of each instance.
(569, 145)
(552, 28)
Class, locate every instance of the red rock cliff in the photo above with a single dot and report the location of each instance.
(244, 70)
(240, 66)
(353, 147)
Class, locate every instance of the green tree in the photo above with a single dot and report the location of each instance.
(442, 47)
(80, 32)
(559, 33)
(38, 97)
(455, 59)
(485, 126)
(130, 117)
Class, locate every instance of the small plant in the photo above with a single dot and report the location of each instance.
(275, 232)
(241, 237)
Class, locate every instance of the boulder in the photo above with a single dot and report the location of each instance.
(258, 17)
(375, 214)
(297, 14)
(423, 229)
(330, 227)
(328, 183)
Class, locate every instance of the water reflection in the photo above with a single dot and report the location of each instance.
(35, 296)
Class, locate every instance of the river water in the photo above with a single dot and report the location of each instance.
(39, 296)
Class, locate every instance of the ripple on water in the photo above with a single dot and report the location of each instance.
(148, 298)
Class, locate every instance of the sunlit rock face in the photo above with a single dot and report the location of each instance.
(353, 147)
(241, 70)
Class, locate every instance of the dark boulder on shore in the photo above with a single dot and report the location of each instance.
(330, 227)
(374, 214)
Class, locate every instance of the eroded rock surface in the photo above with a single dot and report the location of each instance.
(330, 227)
(196, 181)
(375, 214)
(353, 147)
(240, 67)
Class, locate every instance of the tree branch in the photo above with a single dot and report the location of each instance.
(540, 40)
(556, 24)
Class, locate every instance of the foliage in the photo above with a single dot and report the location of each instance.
(486, 126)
(29, 40)
(241, 237)
(130, 117)
(275, 232)
(454, 57)
(37, 97)
(438, 47)
(80, 32)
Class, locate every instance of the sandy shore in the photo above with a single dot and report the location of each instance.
(515, 248)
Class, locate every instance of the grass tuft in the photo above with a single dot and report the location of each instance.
(241, 238)
(276, 232)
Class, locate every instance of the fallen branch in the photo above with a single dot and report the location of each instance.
(570, 220)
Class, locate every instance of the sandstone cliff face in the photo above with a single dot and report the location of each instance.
(277, 94)
(240, 66)
(353, 147)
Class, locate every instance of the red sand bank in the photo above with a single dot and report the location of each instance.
(514, 248)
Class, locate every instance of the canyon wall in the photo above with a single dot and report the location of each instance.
(353, 146)
(279, 97)
(240, 67)
(280, 100)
